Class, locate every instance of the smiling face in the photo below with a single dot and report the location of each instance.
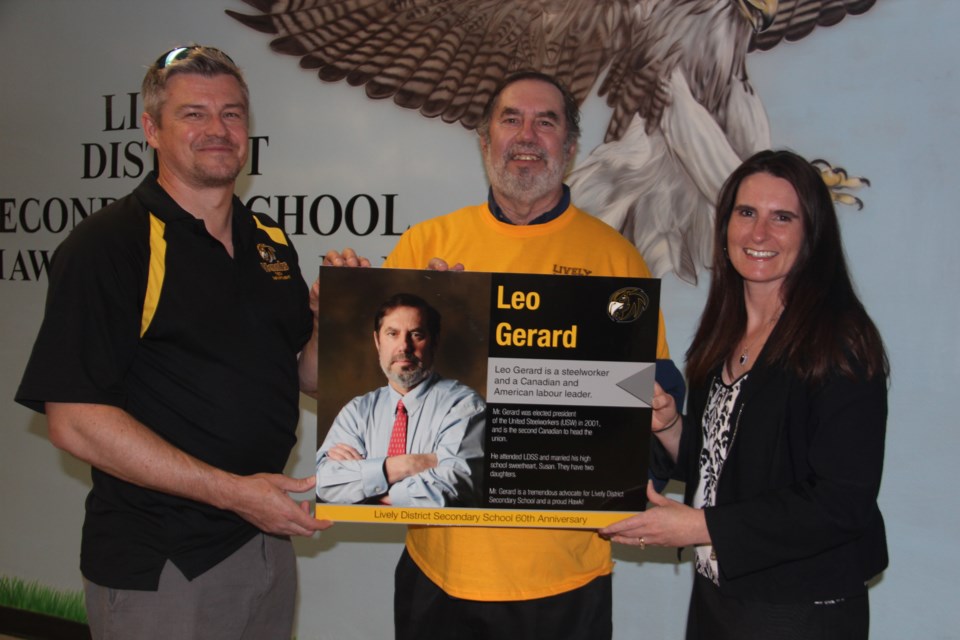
(525, 152)
(405, 347)
(201, 136)
(765, 231)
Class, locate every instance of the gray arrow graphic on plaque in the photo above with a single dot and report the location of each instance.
(640, 384)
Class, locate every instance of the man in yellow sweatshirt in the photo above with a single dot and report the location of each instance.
(475, 582)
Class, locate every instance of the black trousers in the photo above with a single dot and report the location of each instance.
(714, 616)
(422, 611)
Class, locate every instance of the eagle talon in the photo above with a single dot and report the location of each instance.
(838, 181)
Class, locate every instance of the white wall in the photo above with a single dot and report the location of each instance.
(876, 94)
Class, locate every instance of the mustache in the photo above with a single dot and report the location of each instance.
(406, 356)
(526, 148)
(216, 141)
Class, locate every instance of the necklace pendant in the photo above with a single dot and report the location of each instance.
(743, 358)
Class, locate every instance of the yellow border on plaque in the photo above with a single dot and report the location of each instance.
(469, 517)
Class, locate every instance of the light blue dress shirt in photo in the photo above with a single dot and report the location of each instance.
(443, 417)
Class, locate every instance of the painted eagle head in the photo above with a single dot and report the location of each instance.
(759, 13)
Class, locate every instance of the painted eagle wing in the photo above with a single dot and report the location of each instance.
(797, 18)
(446, 57)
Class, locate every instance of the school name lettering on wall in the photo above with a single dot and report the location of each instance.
(119, 158)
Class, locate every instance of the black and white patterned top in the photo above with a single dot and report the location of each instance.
(718, 435)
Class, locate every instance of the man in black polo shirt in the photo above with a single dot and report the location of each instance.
(177, 332)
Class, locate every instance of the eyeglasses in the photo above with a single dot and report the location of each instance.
(181, 53)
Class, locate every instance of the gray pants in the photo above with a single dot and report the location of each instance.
(249, 596)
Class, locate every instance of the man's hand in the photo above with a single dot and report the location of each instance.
(115, 442)
(439, 264)
(263, 501)
(409, 464)
(307, 359)
(342, 452)
(348, 258)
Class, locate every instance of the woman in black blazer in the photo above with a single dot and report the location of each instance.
(782, 445)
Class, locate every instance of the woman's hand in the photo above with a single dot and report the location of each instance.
(667, 423)
(665, 523)
(664, 407)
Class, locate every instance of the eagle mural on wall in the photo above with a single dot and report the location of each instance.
(673, 72)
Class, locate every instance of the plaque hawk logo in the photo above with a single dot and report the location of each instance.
(627, 304)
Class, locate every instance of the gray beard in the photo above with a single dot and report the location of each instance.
(408, 379)
(524, 186)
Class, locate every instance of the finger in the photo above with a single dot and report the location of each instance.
(620, 527)
(292, 485)
(333, 259)
(633, 541)
(305, 531)
(315, 297)
(323, 525)
(302, 485)
(350, 258)
(347, 452)
(661, 401)
(304, 520)
(353, 259)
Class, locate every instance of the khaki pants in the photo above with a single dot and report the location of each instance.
(249, 596)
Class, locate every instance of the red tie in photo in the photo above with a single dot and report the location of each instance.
(398, 439)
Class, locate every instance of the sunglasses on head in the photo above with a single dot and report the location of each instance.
(181, 53)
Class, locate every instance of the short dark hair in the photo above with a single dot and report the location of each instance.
(431, 315)
(195, 59)
(571, 110)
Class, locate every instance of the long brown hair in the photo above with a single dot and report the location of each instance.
(824, 327)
